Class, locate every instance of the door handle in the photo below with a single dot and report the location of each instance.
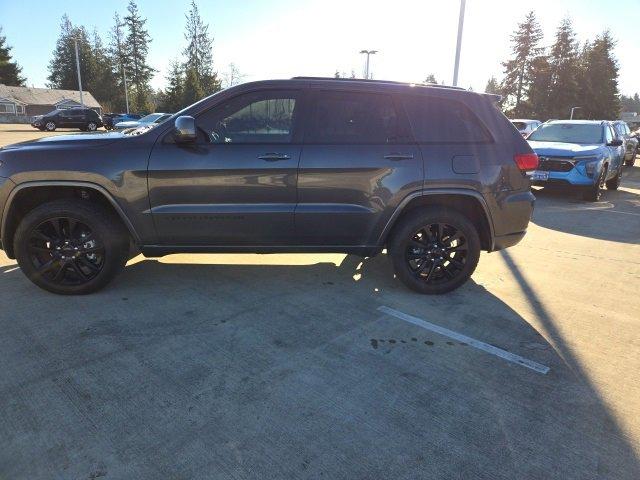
(274, 157)
(399, 156)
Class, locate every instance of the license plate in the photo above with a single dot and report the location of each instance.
(539, 176)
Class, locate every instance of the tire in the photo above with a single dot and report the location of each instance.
(421, 243)
(92, 126)
(614, 183)
(593, 193)
(50, 126)
(71, 247)
(632, 161)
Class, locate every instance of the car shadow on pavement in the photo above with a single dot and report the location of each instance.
(616, 217)
(212, 367)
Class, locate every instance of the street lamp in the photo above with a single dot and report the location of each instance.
(572, 109)
(75, 41)
(366, 68)
(456, 64)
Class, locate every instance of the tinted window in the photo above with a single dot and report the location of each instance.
(353, 118)
(439, 120)
(260, 117)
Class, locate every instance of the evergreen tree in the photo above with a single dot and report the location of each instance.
(135, 51)
(518, 71)
(119, 63)
(431, 78)
(630, 104)
(538, 98)
(493, 87)
(199, 50)
(173, 97)
(600, 97)
(104, 78)
(193, 90)
(10, 72)
(563, 63)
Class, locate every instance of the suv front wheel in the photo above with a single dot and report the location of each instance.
(434, 250)
(92, 126)
(71, 246)
(50, 126)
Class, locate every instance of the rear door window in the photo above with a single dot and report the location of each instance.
(352, 118)
(440, 120)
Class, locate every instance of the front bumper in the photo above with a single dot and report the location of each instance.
(577, 176)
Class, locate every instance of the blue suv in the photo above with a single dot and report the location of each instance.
(586, 154)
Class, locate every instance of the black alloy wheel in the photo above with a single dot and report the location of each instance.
(434, 250)
(71, 246)
(65, 251)
(437, 253)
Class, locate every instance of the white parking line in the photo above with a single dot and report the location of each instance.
(485, 347)
(11, 269)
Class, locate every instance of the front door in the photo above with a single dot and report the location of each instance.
(237, 184)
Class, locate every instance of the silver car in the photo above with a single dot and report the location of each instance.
(150, 120)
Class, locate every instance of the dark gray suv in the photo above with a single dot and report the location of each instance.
(433, 174)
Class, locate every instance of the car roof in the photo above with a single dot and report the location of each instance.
(359, 84)
(579, 122)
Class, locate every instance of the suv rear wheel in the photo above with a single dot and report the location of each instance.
(71, 247)
(631, 162)
(434, 250)
(50, 126)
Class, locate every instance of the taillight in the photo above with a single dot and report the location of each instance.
(526, 161)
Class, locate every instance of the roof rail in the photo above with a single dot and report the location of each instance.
(394, 82)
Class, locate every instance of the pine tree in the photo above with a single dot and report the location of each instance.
(600, 97)
(174, 93)
(193, 90)
(199, 50)
(10, 72)
(493, 86)
(538, 98)
(431, 78)
(104, 78)
(563, 63)
(518, 73)
(119, 63)
(135, 51)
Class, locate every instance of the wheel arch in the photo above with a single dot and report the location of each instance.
(26, 196)
(467, 202)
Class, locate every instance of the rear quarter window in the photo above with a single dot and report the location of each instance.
(440, 120)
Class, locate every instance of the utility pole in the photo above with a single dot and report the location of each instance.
(459, 44)
(572, 110)
(126, 94)
(75, 41)
(366, 67)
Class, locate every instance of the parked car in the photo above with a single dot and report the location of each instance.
(585, 154)
(525, 126)
(149, 120)
(433, 174)
(630, 142)
(110, 119)
(84, 119)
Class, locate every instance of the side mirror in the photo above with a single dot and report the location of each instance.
(185, 129)
(616, 142)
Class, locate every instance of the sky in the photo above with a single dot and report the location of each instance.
(285, 38)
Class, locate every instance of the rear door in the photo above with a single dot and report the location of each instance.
(357, 163)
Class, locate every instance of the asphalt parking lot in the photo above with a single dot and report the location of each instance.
(325, 366)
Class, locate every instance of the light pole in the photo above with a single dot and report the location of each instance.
(75, 41)
(572, 109)
(456, 64)
(366, 67)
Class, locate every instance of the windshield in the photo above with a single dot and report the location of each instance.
(568, 133)
(151, 118)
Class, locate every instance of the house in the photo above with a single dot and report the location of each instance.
(20, 104)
